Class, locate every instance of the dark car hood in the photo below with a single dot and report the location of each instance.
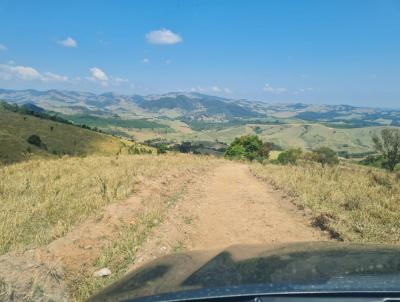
(266, 269)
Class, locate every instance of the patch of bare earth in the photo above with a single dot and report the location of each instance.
(219, 208)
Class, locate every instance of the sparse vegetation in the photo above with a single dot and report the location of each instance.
(325, 156)
(42, 199)
(351, 202)
(290, 156)
(388, 145)
(52, 139)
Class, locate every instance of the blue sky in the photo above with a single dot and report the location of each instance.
(275, 51)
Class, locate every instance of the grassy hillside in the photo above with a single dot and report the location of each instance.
(58, 139)
(294, 134)
(42, 199)
(353, 203)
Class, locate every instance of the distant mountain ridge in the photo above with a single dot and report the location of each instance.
(194, 106)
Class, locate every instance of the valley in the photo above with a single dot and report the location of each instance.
(195, 117)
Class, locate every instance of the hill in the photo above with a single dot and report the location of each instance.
(57, 138)
(194, 117)
(197, 106)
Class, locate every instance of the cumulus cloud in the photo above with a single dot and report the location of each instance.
(19, 72)
(145, 61)
(275, 90)
(2, 47)
(163, 36)
(98, 75)
(9, 72)
(68, 42)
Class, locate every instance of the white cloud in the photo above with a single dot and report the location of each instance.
(9, 72)
(68, 42)
(3, 47)
(25, 72)
(49, 76)
(275, 90)
(19, 72)
(163, 36)
(145, 61)
(215, 89)
(98, 74)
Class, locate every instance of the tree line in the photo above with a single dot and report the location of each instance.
(251, 147)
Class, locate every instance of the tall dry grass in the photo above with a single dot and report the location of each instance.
(353, 203)
(41, 200)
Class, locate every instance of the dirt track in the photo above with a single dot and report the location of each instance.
(228, 207)
(222, 207)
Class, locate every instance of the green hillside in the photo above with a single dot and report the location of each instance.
(58, 139)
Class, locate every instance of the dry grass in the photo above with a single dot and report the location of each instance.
(121, 253)
(353, 203)
(59, 139)
(41, 200)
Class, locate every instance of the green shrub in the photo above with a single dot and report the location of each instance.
(325, 156)
(249, 147)
(35, 140)
(290, 156)
(162, 149)
(235, 151)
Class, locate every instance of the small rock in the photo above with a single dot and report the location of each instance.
(105, 271)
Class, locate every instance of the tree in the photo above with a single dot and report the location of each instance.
(35, 140)
(389, 146)
(265, 149)
(325, 156)
(249, 147)
(290, 156)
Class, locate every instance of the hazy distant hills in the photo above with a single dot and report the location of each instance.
(194, 106)
(203, 118)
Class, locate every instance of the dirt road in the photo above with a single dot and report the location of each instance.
(221, 207)
(229, 207)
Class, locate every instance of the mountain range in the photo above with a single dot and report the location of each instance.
(205, 119)
(195, 106)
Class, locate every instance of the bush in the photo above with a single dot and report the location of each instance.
(235, 151)
(185, 147)
(35, 140)
(162, 149)
(248, 147)
(290, 156)
(325, 156)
